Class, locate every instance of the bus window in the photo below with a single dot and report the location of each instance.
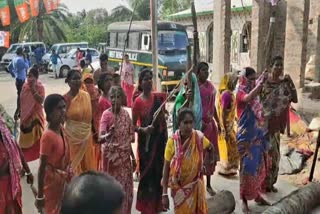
(121, 39)
(145, 44)
(113, 40)
(133, 43)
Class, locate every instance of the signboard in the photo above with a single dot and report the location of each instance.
(118, 55)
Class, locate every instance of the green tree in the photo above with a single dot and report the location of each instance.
(49, 28)
(91, 28)
(124, 13)
(169, 7)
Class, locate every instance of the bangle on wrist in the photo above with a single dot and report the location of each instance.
(28, 173)
(163, 195)
(40, 199)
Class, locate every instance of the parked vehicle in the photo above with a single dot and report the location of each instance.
(62, 49)
(69, 61)
(29, 47)
(172, 48)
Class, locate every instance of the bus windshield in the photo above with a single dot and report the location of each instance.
(13, 48)
(172, 40)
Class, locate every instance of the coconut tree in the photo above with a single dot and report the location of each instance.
(46, 27)
(124, 11)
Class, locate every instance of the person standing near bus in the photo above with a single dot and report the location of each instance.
(104, 68)
(54, 60)
(127, 79)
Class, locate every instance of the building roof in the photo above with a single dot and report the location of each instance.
(205, 7)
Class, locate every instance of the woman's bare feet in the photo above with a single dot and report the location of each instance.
(245, 207)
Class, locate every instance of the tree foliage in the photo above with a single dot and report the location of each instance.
(89, 26)
(49, 28)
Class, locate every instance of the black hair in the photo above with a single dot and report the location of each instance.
(183, 112)
(274, 59)
(34, 71)
(117, 88)
(19, 51)
(103, 57)
(201, 66)
(50, 104)
(249, 71)
(102, 79)
(143, 73)
(126, 55)
(70, 74)
(92, 192)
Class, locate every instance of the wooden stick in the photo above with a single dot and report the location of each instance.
(315, 158)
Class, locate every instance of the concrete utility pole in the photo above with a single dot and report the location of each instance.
(221, 38)
(154, 37)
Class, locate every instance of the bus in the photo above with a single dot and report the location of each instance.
(172, 49)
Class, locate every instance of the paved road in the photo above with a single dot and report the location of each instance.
(8, 99)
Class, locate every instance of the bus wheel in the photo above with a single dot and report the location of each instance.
(64, 71)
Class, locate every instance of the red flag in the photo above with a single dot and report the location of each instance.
(22, 10)
(48, 5)
(51, 5)
(4, 13)
(4, 39)
(34, 6)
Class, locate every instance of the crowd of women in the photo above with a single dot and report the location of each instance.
(88, 129)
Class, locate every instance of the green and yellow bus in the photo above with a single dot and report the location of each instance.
(172, 48)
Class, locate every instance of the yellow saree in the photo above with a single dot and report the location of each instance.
(78, 129)
(226, 107)
(186, 180)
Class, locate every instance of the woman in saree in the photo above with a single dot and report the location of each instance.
(226, 106)
(104, 85)
(152, 137)
(183, 100)
(78, 125)
(277, 94)
(183, 166)
(96, 112)
(210, 121)
(31, 116)
(117, 134)
(252, 145)
(12, 163)
(54, 170)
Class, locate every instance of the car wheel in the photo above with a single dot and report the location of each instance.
(64, 71)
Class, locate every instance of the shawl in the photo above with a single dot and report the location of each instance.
(15, 163)
(197, 106)
(29, 106)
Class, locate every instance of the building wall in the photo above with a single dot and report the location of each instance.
(238, 60)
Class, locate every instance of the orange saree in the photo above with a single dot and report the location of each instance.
(186, 180)
(31, 122)
(78, 129)
(57, 174)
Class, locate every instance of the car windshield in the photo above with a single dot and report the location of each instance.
(13, 48)
(172, 40)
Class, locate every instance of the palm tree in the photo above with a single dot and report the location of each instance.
(124, 12)
(49, 28)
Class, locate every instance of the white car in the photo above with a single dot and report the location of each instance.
(69, 60)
